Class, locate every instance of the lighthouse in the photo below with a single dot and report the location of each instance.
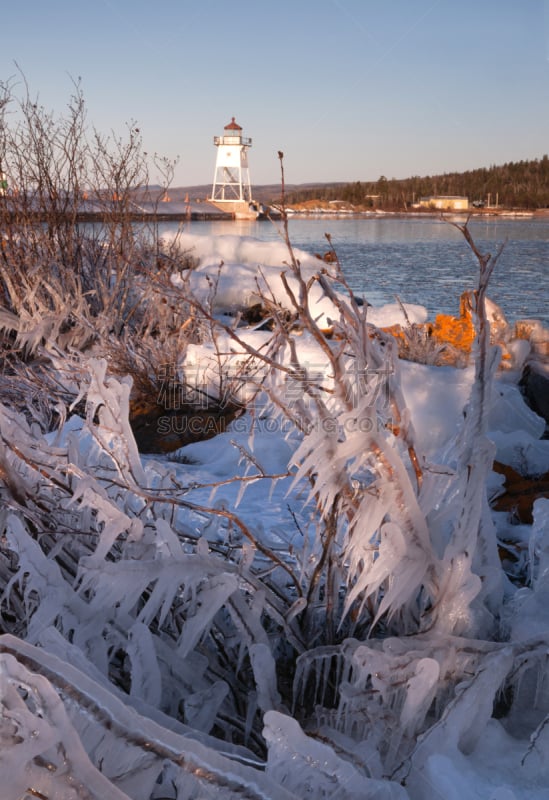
(232, 190)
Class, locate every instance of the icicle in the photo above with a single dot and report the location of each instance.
(201, 708)
(146, 680)
(264, 669)
(420, 692)
(311, 768)
(134, 749)
(213, 596)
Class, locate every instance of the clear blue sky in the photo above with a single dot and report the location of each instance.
(348, 89)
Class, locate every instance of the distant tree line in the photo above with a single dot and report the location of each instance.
(521, 184)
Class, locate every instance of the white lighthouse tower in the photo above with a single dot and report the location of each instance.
(232, 190)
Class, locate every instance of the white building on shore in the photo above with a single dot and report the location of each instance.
(445, 202)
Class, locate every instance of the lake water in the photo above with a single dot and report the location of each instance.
(423, 260)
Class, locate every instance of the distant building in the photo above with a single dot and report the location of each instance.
(446, 202)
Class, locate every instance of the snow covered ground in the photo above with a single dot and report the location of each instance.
(442, 691)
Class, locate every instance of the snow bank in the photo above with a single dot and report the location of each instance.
(437, 399)
(235, 271)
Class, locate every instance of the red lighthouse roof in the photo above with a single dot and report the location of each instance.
(233, 126)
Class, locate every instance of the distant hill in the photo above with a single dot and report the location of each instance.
(521, 184)
(266, 193)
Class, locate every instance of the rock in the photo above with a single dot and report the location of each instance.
(533, 331)
(158, 429)
(254, 314)
(500, 330)
(458, 333)
(520, 493)
(519, 350)
(535, 387)
(448, 341)
(445, 342)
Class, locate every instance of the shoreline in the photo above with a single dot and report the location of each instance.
(208, 214)
(378, 213)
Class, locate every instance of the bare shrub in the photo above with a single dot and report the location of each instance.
(67, 285)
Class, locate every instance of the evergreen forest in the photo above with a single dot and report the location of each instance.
(520, 184)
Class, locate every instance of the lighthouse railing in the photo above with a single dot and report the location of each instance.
(240, 140)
